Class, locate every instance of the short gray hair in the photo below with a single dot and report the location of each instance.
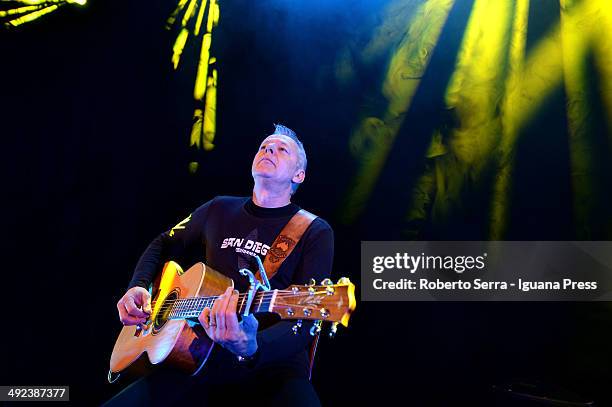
(302, 160)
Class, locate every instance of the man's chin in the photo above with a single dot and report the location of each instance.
(262, 173)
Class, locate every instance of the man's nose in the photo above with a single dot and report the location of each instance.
(270, 149)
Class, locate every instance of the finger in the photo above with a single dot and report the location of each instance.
(213, 314)
(221, 328)
(127, 319)
(145, 301)
(133, 310)
(231, 320)
(124, 317)
(142, 300)
(204, 319)
(123, 314)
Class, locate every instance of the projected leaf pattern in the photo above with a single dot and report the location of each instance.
(14, 13)
(195, 20)
(495, 91)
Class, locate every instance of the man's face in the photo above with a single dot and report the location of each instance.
(278, 159)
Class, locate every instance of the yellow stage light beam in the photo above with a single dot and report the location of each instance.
(476, 87)
(198, 23)
(44, 2)
(479, 87)
(32, 16)
(205, 87)
(178, 47)
(189, 12)
(30, 2)
(32, 10)
(543, 72)
(526, 91)
(172, 19)
(213, 16)
(371, 141)
(473, 93)
(19, 10)
(210, 112)
(503, 178)
(527, 85)
(575, 44)
(196, 128)
(202, 74)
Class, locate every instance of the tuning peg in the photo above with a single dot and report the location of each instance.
(333, 329)
(297, 327)
(316, 328)
(329, 289)
(311, 282)
(344, 281)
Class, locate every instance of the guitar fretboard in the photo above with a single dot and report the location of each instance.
(192, 307)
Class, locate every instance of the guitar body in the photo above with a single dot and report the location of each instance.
(173, 336)
(170, 342)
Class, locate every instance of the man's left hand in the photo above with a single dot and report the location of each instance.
(222, 326)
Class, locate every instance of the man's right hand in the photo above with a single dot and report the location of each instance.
(135, 306)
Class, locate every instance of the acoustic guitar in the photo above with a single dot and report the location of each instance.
(173, 336)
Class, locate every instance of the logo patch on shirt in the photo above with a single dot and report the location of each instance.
(282, 245)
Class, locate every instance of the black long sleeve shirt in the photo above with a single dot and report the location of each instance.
(225, 233)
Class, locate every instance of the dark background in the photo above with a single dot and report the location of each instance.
(95, 129)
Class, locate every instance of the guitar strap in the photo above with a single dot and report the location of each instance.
(285, 242)
(281, 248)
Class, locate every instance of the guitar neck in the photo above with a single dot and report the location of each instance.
(192, 307)
(332, 303)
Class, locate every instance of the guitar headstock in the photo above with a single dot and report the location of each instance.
(325, 302)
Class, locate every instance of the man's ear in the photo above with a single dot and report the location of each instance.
(299, 176)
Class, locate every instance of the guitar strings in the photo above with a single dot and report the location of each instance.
(277, 305)
(280, 293)
(240, 295)
(190, 302)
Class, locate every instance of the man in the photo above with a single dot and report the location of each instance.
(269, 365)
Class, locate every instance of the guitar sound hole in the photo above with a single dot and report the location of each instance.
(162, 316)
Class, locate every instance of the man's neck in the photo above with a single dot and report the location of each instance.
(267, 197)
